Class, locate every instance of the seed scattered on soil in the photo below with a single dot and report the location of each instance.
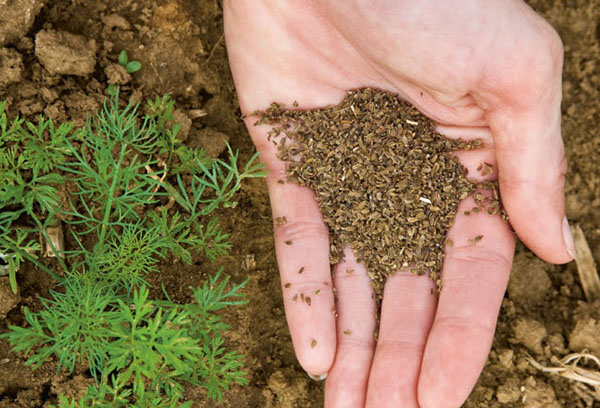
(386, 183)
(301, 270)
(349, 271)
(347, 332)
(308, 300)
(295, 298)
(313, 343)
(280, 181)
(287, 242)
(287, 285)
(317, 291)
(302, 297)
(279, 221)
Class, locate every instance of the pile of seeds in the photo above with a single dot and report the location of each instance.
(386, 182)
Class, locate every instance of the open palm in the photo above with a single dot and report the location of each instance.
(480, 69)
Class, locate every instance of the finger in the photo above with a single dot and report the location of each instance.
(406, 314)
(474, 278)
(467, 133)
(346, 385)
(302, 248)
(532, 180)
(524, 117)
(409, 307)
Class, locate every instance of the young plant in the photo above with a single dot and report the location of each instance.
(29, 156)
(134, 345)
(178, 157)
(130, 66)
(140, 351)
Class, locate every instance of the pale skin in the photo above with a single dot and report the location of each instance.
(488, 69)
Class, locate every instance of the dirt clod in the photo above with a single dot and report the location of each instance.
(529, 268)
(509, 392)
(16, 18)
(530, 333)
(117, 74)
(586, 335)
(8, 300)
(538, 394)
(64, 53)
(211, 140)
(115, 21)
(11, 66)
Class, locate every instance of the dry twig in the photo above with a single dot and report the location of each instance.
(586, 266)
(58, 242)
(569, 367)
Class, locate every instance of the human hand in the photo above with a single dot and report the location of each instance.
(480, 69)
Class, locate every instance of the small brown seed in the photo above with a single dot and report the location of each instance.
(347, 332)
(313, 343)
(288, 242)
(287, 285)
(387, 184)
(295, 297)
(301, 270)
(308, 300)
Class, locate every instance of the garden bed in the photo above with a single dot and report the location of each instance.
(181, 49)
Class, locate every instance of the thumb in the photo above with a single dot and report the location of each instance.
(531, 173)
(531, 164)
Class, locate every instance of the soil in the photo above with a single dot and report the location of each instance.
(181, 48)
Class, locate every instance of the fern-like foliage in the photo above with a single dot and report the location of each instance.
(29, 155)
(71, 325)
(124, 172)
(145, 347)
(110, 169)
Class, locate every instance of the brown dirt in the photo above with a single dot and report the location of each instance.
(182, 52)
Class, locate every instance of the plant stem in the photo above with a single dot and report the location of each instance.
(40, 265)
(113, 187)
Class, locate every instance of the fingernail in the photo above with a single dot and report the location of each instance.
(568, 238)
(317, 377)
